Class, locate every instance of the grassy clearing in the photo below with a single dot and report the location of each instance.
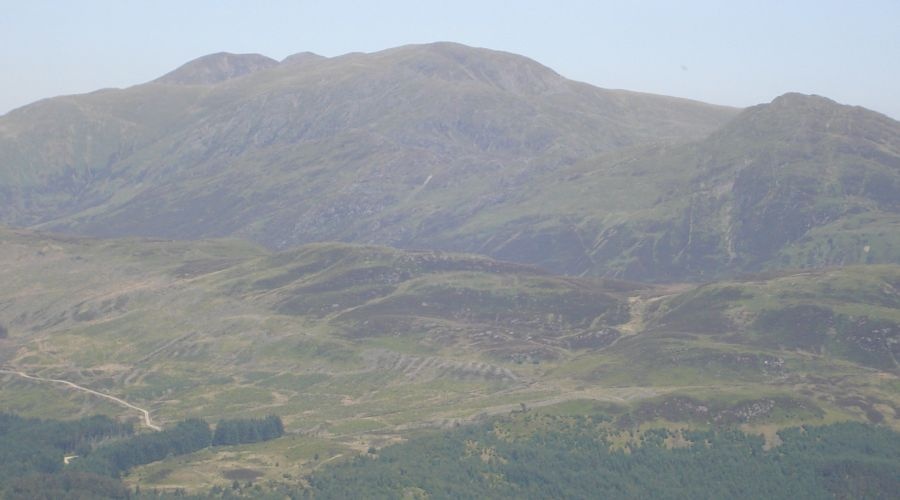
(284, 459)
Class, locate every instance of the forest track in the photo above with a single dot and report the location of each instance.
(146, 414)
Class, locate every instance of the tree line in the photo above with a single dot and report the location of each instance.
(114, 459)
(575, 459)
(519, 456)
(247, 430)
(32, 451)
(185, 437)
(29, 445)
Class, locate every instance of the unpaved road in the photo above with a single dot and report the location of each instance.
(146, 414)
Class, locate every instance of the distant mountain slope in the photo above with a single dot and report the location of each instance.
(448, 147)
(800, 182)
(391, 147)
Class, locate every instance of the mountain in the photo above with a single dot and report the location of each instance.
(397, 147)
(454, 148)
(800, 182)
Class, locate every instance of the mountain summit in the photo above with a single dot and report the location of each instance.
(799, 182)
(215, 68)
(812, 118)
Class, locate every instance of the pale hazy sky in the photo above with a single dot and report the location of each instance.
(736, 53)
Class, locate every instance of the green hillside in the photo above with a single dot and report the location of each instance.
(358, 346)
(802, 182)
(852, 313)
(222, 327)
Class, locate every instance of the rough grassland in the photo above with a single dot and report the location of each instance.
(359, 346)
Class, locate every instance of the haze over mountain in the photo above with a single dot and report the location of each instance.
(450, 147)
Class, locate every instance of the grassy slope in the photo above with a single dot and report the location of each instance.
(223, 328)
(358, 346)
(799, 182)
(851, 313)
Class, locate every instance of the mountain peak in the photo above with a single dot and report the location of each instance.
(216, 68)
(302, 58)
(800, 117)
(798, 99)
(460, 63)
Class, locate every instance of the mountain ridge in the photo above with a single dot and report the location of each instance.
(216, 68)
(404, 107)
(450, 147)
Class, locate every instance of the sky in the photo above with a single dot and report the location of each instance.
(724, 52)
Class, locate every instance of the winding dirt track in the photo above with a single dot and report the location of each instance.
(146, 414)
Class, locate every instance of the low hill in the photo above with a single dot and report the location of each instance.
(357, 346)
(182, 325)
(851, 313)
(158, 318)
